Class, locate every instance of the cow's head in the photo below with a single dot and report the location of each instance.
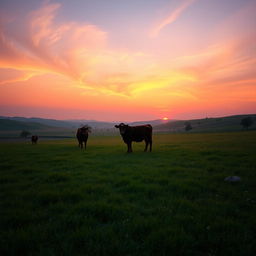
(122, 128)
(85, 129)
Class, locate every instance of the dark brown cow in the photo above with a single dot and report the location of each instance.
(82, 136)
(136, 133)
(34, 139)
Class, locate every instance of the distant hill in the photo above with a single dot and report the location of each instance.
(73, 123)
(47, 122)
(94, 124)
(152, 122)
(68, 124)
(12, 125)
(229, 123)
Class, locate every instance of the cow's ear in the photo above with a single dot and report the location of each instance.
(117, 126)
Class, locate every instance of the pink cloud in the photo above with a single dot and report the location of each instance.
(43, 45)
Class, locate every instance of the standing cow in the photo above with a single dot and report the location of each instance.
(82, 135)
(34, 139)
(136, 133)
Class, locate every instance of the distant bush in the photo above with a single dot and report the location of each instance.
(246, 122)
(25, 134)
(188, 126)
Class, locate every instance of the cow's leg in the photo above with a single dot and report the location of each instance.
(150, 145)
(129, 147)
(146, 146)
(85, 142)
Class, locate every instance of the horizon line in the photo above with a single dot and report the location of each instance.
(118, 121)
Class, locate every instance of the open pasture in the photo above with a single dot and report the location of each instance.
(59, 200)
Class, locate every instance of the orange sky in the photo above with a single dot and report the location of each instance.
(177, 59)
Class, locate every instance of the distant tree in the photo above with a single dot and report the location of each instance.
(24, 134)
(246, 122)
(188, 126)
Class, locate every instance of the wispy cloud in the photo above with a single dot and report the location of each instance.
(47, 46)
(80, 52)
(172, 17)
(75, 50)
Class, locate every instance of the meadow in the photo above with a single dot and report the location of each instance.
(59, 200)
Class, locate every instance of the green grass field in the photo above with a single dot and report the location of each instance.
(59, 200)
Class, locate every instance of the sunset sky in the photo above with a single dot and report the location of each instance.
(127, 60)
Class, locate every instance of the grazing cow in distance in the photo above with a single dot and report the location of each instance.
(136, 133)
(82, 135)
(34, 139)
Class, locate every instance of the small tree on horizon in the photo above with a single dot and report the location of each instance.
(24, 134)
(246, 122)
(188, 126)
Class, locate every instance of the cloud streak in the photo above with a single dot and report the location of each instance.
(172, 17)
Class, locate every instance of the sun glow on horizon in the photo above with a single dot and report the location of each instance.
(165, 118)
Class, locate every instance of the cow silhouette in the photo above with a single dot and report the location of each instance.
(82, 136)
(34, 139)
(137, 134)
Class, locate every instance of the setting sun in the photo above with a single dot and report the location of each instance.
(165, 118)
